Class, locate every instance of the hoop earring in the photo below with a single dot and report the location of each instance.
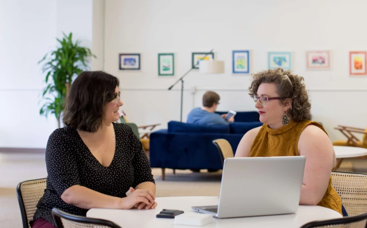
(285, 119)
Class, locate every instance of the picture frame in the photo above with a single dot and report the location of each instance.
(280, 60)
(241, 62)
(318, 60)
(198, 56)
(166, 64)
(129, 61)
(357, 63)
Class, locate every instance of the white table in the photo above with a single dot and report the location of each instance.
(348, 152)
(147, 218)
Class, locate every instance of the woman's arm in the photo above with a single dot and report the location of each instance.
(86, 198)
(150, 186)
(143, 178)
(316, 146)
(62, 169)
(244, 147)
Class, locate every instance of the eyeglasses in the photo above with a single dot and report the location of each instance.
(117, 98)
(264, 100)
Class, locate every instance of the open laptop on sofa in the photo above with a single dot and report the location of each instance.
(255, 186)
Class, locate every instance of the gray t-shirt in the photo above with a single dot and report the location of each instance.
(202, 117)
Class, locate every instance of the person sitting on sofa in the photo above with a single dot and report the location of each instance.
(206, 115)
(282, 101)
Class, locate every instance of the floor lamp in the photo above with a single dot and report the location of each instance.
(205, 67)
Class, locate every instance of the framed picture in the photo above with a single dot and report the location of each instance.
(280, 60)
(129, 61)
(357, 62)
(318, 60)
(241, 62)
(198, 56)
(166, 64)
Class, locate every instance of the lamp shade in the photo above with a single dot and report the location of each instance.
(211, 67)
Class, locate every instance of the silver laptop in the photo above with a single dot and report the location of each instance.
(255, 186)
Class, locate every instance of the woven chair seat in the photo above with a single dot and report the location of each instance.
(29, 193)
(352, 189)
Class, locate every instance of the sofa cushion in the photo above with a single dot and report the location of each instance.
(244, 116)
(243, 127)
(175, 126)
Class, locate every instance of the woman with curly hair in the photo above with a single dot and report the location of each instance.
(282, 101)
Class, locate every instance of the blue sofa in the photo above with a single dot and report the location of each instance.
(189, 146)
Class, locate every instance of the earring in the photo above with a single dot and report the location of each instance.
(285, 119)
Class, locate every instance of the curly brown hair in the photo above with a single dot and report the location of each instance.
(288, 86)
(89, 94)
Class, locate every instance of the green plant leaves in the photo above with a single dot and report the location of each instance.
(61, 66)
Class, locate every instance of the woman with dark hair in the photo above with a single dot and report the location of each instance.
(93, 162)
(282, 101)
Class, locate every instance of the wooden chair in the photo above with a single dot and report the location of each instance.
(29, 193)
(352, 140)
(224, 149)
(144, 138)
(358, 221)
(66, 220)
(352, 189)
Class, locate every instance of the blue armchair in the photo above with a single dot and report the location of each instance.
(189, 146)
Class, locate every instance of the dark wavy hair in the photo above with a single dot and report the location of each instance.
(89, 94)
(288, 86)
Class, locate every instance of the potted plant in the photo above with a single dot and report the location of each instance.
(61, 67)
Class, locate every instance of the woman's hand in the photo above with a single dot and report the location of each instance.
(143, 205)
(138, 198)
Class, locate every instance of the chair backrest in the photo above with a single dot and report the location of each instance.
(134, 127)
(29, 193)
(123, 119)
(352, 189)
(224, 149)
(358, 221)
(66, 220)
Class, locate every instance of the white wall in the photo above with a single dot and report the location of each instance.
(182, 27)
(98, 34)
(75, 16)
(28, 30)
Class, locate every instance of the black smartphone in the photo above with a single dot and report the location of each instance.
(165, 215)
(172, 211)
(169, 213)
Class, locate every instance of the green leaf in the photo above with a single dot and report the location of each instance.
(44, 57)
(60, 66)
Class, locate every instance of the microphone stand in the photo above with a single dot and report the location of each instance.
(182, 83)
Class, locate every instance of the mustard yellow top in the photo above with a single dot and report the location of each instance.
(284, 142)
